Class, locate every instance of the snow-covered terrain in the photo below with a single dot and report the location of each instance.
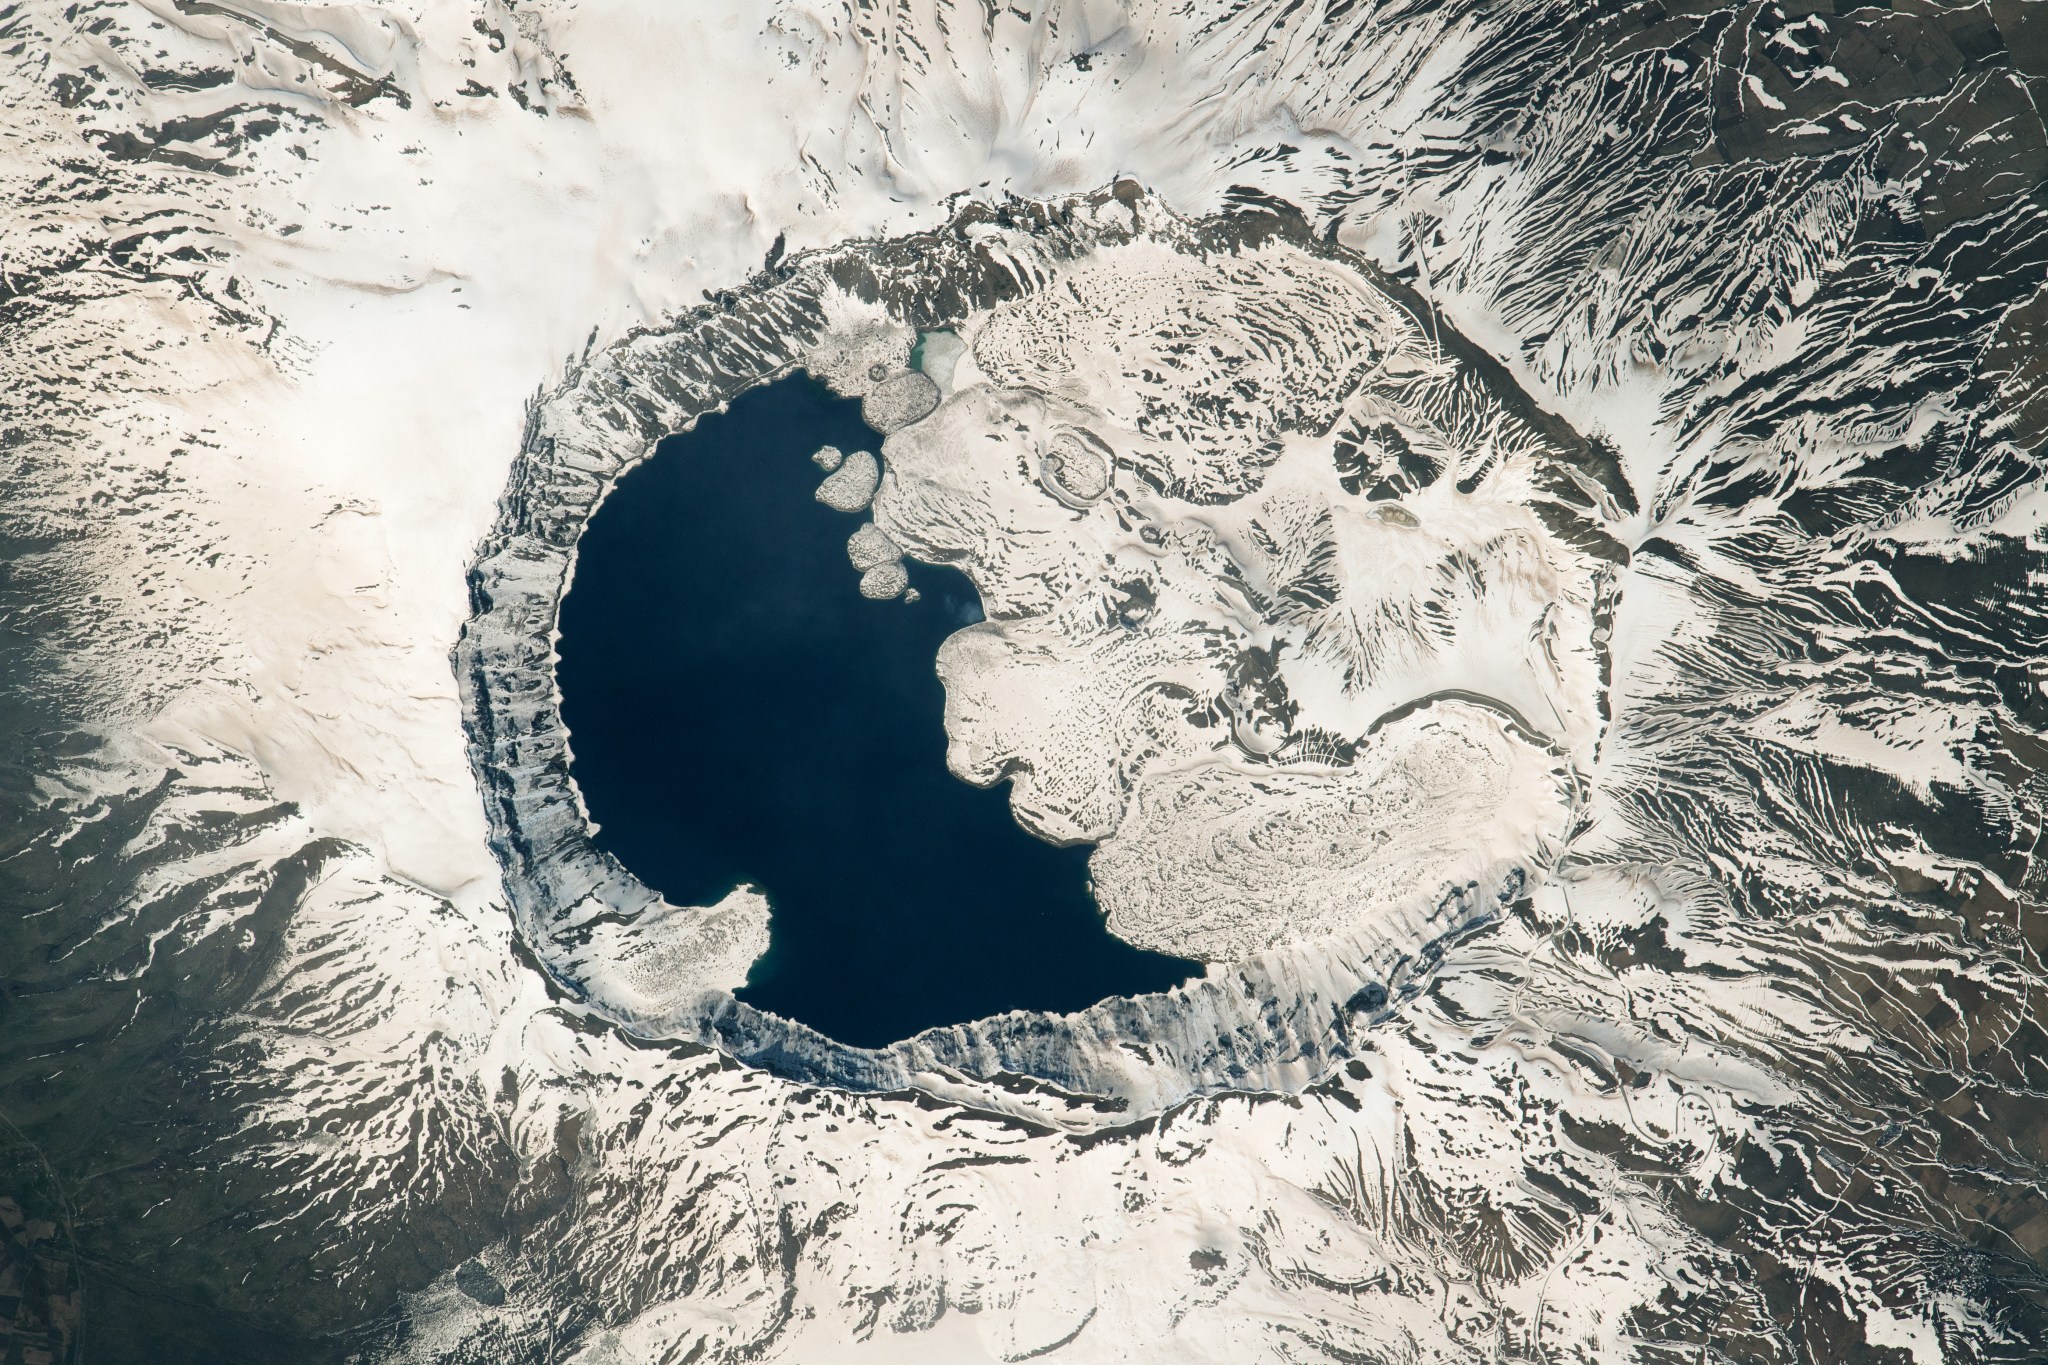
(1684, 1005)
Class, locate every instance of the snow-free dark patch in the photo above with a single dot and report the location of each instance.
(740, 714)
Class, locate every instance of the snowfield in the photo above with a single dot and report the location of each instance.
(1580, 690)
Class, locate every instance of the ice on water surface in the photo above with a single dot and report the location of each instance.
(1514, 531)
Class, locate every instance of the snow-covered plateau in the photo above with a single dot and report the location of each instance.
(1515, 530)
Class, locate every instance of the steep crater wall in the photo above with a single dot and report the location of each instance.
(1273, 1016)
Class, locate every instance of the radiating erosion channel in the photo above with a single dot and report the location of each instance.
(740, 714)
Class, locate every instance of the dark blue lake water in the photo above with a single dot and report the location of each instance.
(739, 713)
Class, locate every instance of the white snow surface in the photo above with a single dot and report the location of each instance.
(265, 397)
